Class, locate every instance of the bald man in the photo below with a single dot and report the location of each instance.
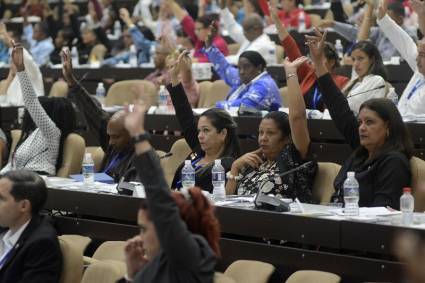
(250, 36)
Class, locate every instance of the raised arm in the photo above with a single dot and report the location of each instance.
(184, 112)
(235, 30)
(367, 22)
(343, 117)
(33, 106)
(419, 7)
(398, 37)
(139, 39)
(297, 109)
(164, 212)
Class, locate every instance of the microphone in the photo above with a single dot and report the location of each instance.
(366, 91)
(273, 203)
(126, 188)
(168, 154)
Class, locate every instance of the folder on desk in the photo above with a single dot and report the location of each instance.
(98, 177)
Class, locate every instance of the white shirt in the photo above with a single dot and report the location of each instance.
(9, 240)
(261, 44)
(412, 101)
(371, 86)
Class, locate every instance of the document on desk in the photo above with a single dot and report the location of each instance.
(369, 211)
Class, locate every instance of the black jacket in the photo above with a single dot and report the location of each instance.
(36, 257)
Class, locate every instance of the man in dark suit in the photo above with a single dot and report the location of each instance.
(29, 248)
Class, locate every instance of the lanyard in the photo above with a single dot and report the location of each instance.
(316, 97)
(117, 158)
(417, 85)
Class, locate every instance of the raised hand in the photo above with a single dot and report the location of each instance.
(67, 70)
(18, 56)
(181, 64)
(316, 45)
(382, 9)
(213, 32)
(125, 16)
(135, 257)
(135, 120)
(291, 67)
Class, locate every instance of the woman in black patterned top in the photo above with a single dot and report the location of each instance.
(284, 145)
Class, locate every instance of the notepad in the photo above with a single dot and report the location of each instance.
(98, 177)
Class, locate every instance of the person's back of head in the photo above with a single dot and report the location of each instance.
(119, 138)
(252, 26)
(396, 12)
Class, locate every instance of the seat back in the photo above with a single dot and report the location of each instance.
(283, 91)
(249, 271)
(15, 135)
(417, 167)
(313, 276)
(233, 48)
(222, 278)
(59, 89)
(72, 265)
(209, 95)
(97, 53)
(108, 271)
(280, 52)
(97, 154)
(127, 91)
(72, 156)
(323, 186)
(180, 150)
(110, 250)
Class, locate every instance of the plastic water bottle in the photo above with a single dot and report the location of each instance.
(117, 29)
(100, 93)
(392, 95)
(188, 175)
(74, 57)
(163, 100)
(218, 180)
(351, 195)
(407, 205)
(339, 49)
(88, 169)
(133, 56)
(301, 21)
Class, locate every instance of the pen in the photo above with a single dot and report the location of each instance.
(299, 205)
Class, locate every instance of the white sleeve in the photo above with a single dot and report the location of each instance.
(235, 30)
(400, 39)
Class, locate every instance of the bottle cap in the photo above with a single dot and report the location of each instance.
(187, 162)
(217, 162)
(100, 85)
(407, 190)
(351, 174)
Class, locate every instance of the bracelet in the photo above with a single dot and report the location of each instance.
(290, 76)
(141, 137)
(230, 176)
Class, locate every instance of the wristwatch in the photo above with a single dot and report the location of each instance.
(141, 137)
(229, 176)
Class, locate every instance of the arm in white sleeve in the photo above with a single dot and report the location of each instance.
(235, 30)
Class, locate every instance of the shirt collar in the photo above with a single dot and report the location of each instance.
(10, 239)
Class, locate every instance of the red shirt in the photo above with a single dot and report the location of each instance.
(291, 19)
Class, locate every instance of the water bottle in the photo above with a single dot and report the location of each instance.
(152, 54)
(392, 95)
(407, 205)
(74, 57)
(351, 195)
(133, 56)
(218, 180)
(163, 100)
(339, 49)
(88, 169)
(100, 93)
(117, 29)
(301, 21)
(188, 175)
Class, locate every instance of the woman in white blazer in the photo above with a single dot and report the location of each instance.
(369, 75)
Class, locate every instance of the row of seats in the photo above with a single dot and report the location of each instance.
(108, 265)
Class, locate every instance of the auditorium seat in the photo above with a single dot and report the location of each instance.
(108, 271)
(211, 92)
(283, 91)
(109, 250)
(180, 150)
(280, 52)
(323, 186)
(249, 271)
(98, 53)
(313, 276)
(73, 154)
(59, 89)
(97, 154)
(15, 135)
(72, 265)
(222, 278)
(127, 91)
(417, 167)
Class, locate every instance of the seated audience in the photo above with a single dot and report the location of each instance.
(29, 248)
(250, 36)
(46, 123)
(110, 132)
(251, 85)
(412, 101)
(376, 36)
(40, 43)
(306, 75)
(380, 140)
(88, 40)
(284, 145)
(214, 137)
(369, 78)
(167, 217)
(198, 31)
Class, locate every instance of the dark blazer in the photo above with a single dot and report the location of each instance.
(36, 257)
